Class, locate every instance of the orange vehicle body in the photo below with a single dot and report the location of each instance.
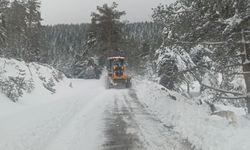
(117, 76)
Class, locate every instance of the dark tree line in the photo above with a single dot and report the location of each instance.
(68, 45)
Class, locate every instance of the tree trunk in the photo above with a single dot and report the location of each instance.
(188, 88)
(246, 68)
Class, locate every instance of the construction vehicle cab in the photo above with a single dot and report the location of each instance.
(117, 77)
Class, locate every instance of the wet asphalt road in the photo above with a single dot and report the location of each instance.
(130, 126)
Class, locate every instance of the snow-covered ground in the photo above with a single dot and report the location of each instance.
(39, 84)
(67, 122)
(87, 116)
(193, 122)
(23, 81)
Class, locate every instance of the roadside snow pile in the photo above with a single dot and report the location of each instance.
(20, 80)
(195, 122)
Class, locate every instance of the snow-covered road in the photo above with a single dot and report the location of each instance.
(129, 126)
(88, 117)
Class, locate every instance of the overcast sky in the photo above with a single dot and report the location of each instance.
(78, 11)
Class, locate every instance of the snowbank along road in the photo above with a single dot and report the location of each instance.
(88, 117)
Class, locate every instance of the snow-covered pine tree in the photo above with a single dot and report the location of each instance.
(217, 26)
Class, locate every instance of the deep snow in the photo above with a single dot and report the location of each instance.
(70, 122)
(194, 122)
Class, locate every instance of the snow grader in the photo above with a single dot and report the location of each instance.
(117, 78)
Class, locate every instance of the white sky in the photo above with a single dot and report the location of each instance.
(78, 11)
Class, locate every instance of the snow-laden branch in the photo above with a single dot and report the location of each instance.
(212, 43)
(222, 90)
(216, 89)
(188, 70)
(233, 65)
(206, 43)
(183, 11)
(243, 42)
(234, 97)
(240, 73)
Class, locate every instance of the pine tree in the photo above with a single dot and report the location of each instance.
(16, 28)
(33, 32)
(107, 27)
(3, 8)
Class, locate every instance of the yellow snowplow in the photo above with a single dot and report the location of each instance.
(117, 77)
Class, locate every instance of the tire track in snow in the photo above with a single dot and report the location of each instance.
(159, 135)
(121, 129)
(129, 126)
(85, 129)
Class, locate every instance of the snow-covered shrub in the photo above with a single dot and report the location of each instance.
(18, 79)
(48, 76)
(50, 85)
(57, 76)
(14, 87)
(29, 86)
(10, 90)
(150, 72)
(171, 61)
